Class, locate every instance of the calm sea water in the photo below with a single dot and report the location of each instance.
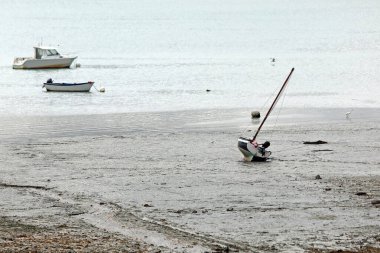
(163, 55)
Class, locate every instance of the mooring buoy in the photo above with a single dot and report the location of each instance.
(255, 114)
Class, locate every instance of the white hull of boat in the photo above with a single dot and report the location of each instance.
(68, 87)
(251, 151)
(30, 63)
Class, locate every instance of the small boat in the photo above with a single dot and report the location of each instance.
(68, 87)
(251, 150)
(44, 58)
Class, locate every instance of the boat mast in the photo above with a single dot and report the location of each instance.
(273, 104)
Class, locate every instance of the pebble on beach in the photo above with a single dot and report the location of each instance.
(317, 177)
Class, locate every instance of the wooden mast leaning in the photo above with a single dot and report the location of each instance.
(273, 104)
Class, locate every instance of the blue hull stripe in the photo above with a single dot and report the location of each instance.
(65, 84)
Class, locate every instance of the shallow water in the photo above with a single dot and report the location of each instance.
(163, 56)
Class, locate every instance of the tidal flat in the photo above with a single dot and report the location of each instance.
(175, 182)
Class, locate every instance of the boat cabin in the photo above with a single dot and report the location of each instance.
(46, 52)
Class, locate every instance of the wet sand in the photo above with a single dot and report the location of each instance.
(175, 182)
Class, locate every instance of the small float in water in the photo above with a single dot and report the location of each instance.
(44, 58)
(50, 85)
(251, 150)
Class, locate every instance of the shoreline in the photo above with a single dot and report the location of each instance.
(262, 110)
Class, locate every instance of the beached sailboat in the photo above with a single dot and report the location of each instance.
(251, 150)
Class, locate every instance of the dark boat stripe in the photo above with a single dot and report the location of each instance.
(65, 84)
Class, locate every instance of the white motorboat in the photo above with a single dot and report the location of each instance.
(44, 57)
(68, 87)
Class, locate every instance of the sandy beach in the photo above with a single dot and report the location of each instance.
(175, 182)
(152, 164)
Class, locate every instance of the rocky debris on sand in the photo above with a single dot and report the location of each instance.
(376, 203)
(76, 213)
(148, 205)
(318, 177)
(230, 209)
(20, 237)
(315, 142)
(322, 150)
(361, 194)
(220, 249)
(37, 187)
(366, 249)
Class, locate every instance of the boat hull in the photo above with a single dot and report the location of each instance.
(68, 87)
(25, 63)
(251, 151)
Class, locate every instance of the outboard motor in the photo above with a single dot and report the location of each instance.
(252, 151)
(266, 144)
(49, 80)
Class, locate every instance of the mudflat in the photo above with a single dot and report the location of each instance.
(175, 182)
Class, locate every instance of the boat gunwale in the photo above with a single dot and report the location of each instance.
(68, 84)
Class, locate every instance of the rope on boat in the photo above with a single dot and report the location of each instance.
(102, 89)
(265, 104)
(282, 104)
